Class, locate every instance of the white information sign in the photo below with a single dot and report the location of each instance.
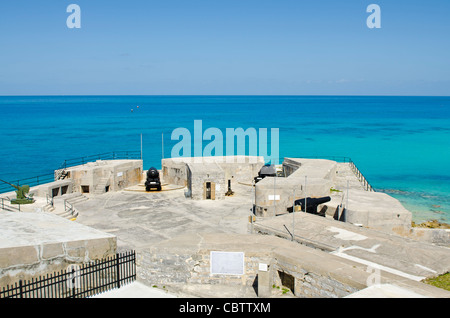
(227, 263)
(271, 197)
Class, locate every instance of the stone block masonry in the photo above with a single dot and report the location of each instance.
(306, 272)
(164, 266)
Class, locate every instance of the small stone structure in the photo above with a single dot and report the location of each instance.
(303, 177)
(54, 189)
(210, 177)
(318, 178)
(206, 181)
(105, 175)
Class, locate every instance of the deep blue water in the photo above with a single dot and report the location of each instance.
(401, 144)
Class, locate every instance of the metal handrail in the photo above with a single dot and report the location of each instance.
(367, 186)
(361, 177)
(9, 207)
(68, 207)
(50, 177)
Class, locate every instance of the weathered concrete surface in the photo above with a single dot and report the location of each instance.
(184, 261)
(320, 178)
(135, 290)
(168, 229)
(377, 210)
(112, 174)
(234, 168)
(141, 219)
(34, 244)
(308, 177)
(397, 254)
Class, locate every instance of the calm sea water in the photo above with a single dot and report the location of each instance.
(401, 144)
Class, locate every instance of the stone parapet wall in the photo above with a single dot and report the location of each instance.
(28, 249)
(163, 266)
(306, 272)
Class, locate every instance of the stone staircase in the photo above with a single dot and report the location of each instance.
(101, 186)
(64, 206)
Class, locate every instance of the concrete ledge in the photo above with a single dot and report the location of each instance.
(313, 273)
(414, 259)
(33, 244)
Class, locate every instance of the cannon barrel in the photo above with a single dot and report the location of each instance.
(266, 171)
(12, 185)
(153, 181)
(311, 203)
(152, 173)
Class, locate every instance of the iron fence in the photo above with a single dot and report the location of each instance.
(78, 281)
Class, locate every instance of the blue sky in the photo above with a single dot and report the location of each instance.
(165, 47)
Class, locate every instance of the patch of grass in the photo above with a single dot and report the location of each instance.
(442, 281)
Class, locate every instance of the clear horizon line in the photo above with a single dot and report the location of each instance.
(241, 95)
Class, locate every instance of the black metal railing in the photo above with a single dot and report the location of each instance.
(364, 182)
(5, 204)
(68, 207)
(102, 156)
(78, 281)
(51, 176)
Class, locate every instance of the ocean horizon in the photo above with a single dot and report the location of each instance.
(400, 143)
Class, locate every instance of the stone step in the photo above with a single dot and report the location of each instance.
(78, 199)
(101, 186)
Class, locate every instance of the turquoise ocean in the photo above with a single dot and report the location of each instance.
(401, 144)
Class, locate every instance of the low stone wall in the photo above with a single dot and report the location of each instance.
(304, 283)
(28, 249)
(306, 272)
(164, 266)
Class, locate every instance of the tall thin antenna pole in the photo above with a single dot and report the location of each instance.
(162, 145)
(346, 205)
(293, 215)
(305, 195)
(141, 146)
(274, 192)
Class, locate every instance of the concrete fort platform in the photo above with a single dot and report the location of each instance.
(392, 253)
(35, 244)
(174, 237)
(183, 264)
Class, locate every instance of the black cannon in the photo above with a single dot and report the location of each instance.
(311, 204)
(153, 181)
(266, 171)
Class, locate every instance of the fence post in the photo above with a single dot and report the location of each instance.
(73, 282)
(20, 289)
(118, 270)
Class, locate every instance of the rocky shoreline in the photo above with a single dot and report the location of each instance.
(432, 224)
